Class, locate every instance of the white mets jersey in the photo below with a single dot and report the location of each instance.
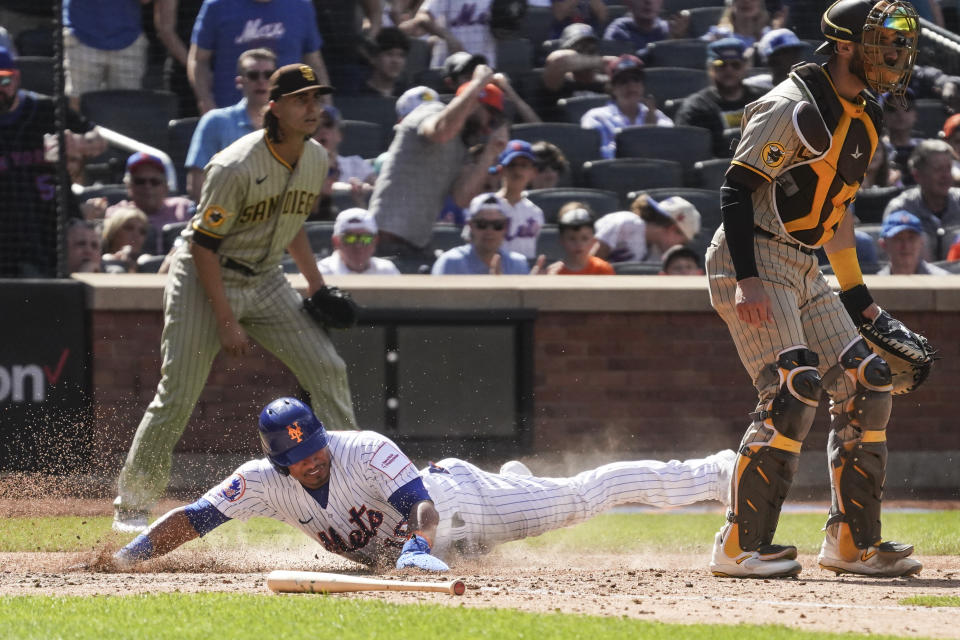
(357, 521)
(253, 203)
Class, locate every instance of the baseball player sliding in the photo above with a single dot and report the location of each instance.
(358, 495)
(804, 151)
(225, 284)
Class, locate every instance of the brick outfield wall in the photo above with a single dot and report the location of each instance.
(604, 382)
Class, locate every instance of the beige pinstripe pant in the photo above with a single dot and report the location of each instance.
(805, 312)
(270, 311)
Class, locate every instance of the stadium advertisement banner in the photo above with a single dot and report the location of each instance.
(45, 390)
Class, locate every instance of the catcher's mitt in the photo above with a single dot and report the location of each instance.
(332, 307)
(909, 355)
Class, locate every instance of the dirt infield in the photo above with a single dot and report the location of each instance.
(662, 587)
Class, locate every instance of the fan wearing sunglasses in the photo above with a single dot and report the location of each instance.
(147, 190)
(220, 127)
(486, 230)
(719, 106)
(354, 241)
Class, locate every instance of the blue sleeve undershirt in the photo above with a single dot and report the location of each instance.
(408, 495)
(204, 516)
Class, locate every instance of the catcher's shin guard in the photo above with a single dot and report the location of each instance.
(857, 450)
(770, 453)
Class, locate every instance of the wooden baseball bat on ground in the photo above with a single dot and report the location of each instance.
(319, 582)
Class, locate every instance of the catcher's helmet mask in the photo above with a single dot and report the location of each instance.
(290, 432)
(888, 31)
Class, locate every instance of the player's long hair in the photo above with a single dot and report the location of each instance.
(272, 126)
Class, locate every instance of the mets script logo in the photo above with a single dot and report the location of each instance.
(296, 433)
(307, 73)
(366, 522)
(214, 216)
(234, 488)
(773, 154)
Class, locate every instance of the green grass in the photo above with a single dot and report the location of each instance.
(219, 615)
(932, 601)
(933, 533)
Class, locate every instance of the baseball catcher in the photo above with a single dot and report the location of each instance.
(804, 150)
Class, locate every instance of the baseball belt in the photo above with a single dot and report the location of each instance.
(769, 234)
(230, 263)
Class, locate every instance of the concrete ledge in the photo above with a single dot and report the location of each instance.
(144, 292)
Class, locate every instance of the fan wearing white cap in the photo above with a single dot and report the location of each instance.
(647, 230)
(484, 253)
(354, 241)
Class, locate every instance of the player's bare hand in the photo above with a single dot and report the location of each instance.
(233, 339)
(752, 303)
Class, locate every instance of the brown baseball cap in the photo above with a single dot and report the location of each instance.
(295, 78)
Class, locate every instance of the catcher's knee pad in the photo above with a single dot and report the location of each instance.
(770, 452)
(869, 406)
(793, 408)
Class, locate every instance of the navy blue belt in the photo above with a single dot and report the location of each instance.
(230, 263)
(769, 234)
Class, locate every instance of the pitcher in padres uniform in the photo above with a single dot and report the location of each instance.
(359, 496)
(225, 284)
(805, 148)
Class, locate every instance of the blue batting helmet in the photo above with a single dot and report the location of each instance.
(289, 432)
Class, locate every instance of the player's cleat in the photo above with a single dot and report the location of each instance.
(885, 560)
(128, 520)
(769, 561)
(516, 468)
(727, 459)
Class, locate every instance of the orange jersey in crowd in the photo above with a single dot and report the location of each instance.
(595, 267)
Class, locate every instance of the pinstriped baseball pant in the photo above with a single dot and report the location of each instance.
(805, 312)
(270, 311)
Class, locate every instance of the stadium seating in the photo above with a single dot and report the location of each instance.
(931, 114)
(550, 200)
(141, 114)
(671, 7)
(150, 265)
(320, 234)
(574, 108)
(36, 74)
(623, 175)
(636, 268)
(578, 145)
(179, 134)
(171, 232)
(376, 109)
(114, 193)
(668, 83)
(702, 18)
(615, 47)
(548, 243)
(514, 54)
(870, 203)
(364, 139)
(688, 53)
(446, 236)
(951, 266)
(708, 174)
(682, 144)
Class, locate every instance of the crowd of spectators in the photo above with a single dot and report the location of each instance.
(472, 138)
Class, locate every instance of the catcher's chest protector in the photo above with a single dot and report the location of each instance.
(812, 196)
